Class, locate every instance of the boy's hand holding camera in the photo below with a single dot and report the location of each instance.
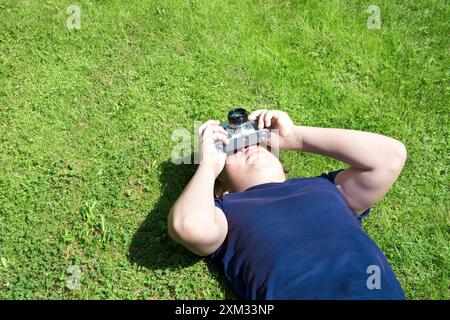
(209, 133)
(286, 134)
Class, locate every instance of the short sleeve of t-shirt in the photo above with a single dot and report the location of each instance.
(219, 204)
(332, 176)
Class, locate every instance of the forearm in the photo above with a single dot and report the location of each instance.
(361, 150)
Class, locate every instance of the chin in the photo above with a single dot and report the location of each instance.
(262, 160)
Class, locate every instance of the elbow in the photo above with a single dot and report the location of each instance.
(192, 231)
(399, 155)
(174, 225)
(182, 229)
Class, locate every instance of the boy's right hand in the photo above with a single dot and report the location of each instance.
(209, 133)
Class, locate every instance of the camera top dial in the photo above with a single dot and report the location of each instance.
(237, 117)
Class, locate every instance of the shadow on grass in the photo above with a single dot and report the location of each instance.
(151, 246)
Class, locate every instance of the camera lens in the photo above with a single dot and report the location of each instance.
(236, 117)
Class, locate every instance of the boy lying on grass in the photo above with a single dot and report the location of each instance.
(299, 238)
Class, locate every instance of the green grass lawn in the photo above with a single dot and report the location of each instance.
(86, 119)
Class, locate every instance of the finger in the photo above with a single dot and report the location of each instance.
(261, 119)
(268, 118)
(255, 114)
(221, 129)
(215, 137)
(276, 114)
(202, 128)
(211, 129)
(206, 125)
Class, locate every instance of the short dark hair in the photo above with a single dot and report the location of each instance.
(220, 186)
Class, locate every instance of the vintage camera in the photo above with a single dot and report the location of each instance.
(241, 132)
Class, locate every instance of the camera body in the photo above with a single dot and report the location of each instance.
(241, 132)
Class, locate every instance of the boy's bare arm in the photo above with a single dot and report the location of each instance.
(375, 160)
(194, 220)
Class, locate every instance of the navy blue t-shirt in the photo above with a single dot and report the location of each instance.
(299, 239)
